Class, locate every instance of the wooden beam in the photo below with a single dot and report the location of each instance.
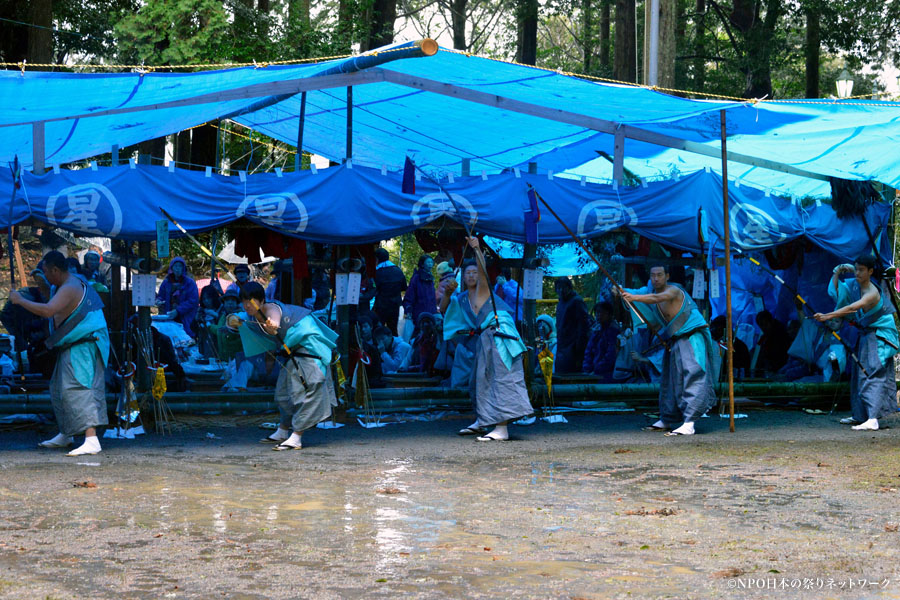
(38, 152)
(594, 123)
(259, 90)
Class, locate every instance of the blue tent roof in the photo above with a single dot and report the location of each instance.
(848, 139)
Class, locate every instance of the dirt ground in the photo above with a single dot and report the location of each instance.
(792, 503)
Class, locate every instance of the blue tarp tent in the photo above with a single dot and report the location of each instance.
(443, 109)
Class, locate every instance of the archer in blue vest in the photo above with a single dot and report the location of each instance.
(873, 391)
(690, 361)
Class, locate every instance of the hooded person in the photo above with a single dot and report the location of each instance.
(178, 296)
(498, 378)
(419, 297)
(690, 360)
(80, 340)
(873, 389)
(304, 391)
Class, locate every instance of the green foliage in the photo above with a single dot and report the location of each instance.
(174, 32)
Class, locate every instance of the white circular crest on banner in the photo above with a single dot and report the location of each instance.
(83, 210)
(438, 205)
(601, 216)
(752, 227)
(271, 208)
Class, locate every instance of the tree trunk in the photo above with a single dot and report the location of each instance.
(153, 151)
(625, 51)
(604, 34)
(345, 26)
(588, 34)
(458, 23)
(700, 46)
(665, 54)
(381, 24)
(668, 21)
(813, 44)
(183, 149)
(526, 21)
(203, 146)
(262, 7)
(40, 41)
(755, 53)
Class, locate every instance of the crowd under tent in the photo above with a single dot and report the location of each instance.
(603, 155)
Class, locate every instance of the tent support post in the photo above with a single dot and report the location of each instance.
(529, 308)
(144, 318)
(343, 317)
(466, 167)
(619, 157)
(728, 321)
(115, 155)
(37, 147)
(349, 123)
(298, 159)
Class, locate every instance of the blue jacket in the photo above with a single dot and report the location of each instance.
(419, 297)
(600, 354)
(181, 296)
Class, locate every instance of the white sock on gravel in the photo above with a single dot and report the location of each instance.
(687, 428)
(870, 425)
(91, 445)
(659, 425)
(57, 441)
(294, 440)
(280, 435)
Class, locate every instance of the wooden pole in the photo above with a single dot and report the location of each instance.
(298, 158)
(728, 323)
(349, 153)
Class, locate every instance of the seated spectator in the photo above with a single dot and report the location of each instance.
(90, 269)
(445, 275)
(774, 343)
(741, 354)
(640, 356)
(425, 346)
(393, 350)
(600, 353)
(545, 334)
(261, 370)
(208, 317)
(227, 338)
(178, 296)
(242, 274)
(73, 265)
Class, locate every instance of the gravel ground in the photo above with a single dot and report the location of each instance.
(595, 508)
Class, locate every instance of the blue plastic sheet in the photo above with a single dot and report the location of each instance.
(355, 205)
(844, 139)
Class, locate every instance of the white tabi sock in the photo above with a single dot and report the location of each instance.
(499, 433)
(91, 445)
(870, 425)
(687, 428)
(293, 441)
(280, 435)
(659, 425)
(57, 441)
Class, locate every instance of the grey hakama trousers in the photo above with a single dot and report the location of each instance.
(77, 407)
(875, 396)
(499, 393)
(686, 391)
(304, 406)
